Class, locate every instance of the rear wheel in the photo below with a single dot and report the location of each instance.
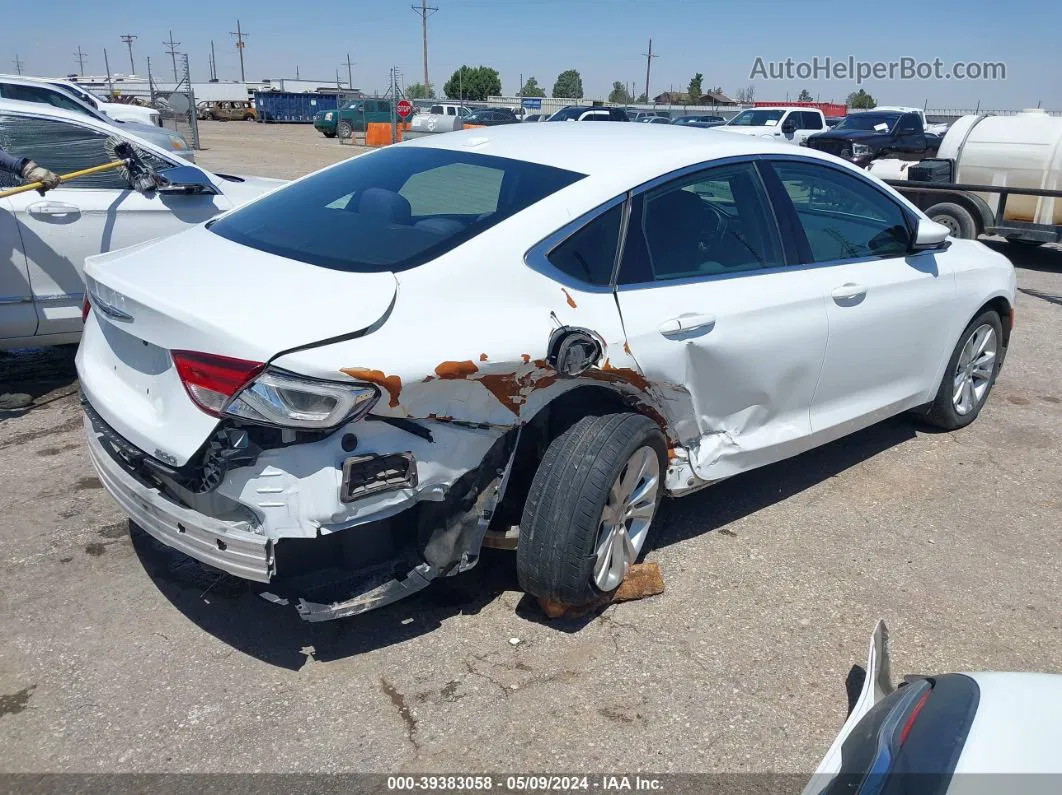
(970, 375)
(958, 219)
(590, 507)
(344, 130)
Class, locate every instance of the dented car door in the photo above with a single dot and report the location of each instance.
(731, 337)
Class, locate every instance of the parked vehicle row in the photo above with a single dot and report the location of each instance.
(59, 95)
(47, 238)
(615, 335)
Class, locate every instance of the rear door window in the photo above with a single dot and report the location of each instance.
(391, 210)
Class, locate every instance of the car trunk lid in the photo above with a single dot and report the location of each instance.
(199, 292)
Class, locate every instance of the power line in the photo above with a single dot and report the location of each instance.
(424, 11)
(648, 67)
(128, 39)
(18, 64)
(173, 45)
(80, 60)
(240, 36)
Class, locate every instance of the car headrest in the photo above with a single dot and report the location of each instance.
(385, 204)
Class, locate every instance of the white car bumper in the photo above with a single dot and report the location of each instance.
(211, 541)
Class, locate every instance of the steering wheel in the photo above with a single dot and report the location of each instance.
(714, 230)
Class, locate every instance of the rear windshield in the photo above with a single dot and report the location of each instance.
(867, 121)
(391, 210)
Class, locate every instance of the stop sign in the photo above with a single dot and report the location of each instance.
(405, 107)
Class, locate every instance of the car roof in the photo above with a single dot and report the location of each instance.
(617, 154)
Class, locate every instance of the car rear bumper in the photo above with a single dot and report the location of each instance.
(211, 541)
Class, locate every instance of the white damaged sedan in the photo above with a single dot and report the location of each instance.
(520, 336)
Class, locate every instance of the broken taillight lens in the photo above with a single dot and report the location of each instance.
(211, 380)
(86, 307)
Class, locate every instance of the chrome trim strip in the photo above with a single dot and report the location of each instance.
(60, 297)
(15, 299)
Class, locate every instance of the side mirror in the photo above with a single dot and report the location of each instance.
(185, 179)
(789, 127)
(930, 236)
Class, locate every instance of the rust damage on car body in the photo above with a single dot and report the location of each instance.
(392, 384)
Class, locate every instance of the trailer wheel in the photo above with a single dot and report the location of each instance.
(958, 219)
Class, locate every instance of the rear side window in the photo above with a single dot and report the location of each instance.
(715, 222)
(590, 254)
(391, 210)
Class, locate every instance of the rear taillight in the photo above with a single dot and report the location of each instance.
(86, 307)
(211, 380)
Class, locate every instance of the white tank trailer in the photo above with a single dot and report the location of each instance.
(992, 175)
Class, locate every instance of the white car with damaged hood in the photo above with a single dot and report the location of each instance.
(346, 388)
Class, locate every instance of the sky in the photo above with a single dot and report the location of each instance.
(605, 40)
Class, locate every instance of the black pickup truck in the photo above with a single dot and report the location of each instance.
(862, 137)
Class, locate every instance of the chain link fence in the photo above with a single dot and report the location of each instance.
(177, 105)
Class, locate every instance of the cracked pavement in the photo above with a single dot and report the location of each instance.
(116, 655)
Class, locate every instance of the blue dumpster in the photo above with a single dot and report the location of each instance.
(290, 106)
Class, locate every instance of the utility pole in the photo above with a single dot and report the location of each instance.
(127, 40)
(648, 67)
(350, 73)
(80, 60)
(213, 62)
(107, 66)
(240, 44)
(425, 11)
(173, 54)
(18, 64)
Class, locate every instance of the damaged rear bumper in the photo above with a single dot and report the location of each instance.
(326, 576)
(216, 543)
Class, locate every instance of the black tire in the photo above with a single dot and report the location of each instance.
(942, 411)
(344, 130)
(562, 514)
(328, 134)
(956, 217)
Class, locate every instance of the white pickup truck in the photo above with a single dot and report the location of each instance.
(783, 123)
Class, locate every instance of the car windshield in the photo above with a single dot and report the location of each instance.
(565, 114)
(391, 210)
(756, 118)
(867, 121)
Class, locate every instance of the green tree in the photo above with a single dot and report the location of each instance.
(694, 91)
(861, 100)
(643, 98)
(474, 83)
(619, 94)
(569, 85)
(805, 96)
(532, 89)
(420, 91)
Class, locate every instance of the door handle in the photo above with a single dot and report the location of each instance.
(52, 208)
(684, 324)
(849, 292)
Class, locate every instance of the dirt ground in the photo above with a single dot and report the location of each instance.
(118, 656)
